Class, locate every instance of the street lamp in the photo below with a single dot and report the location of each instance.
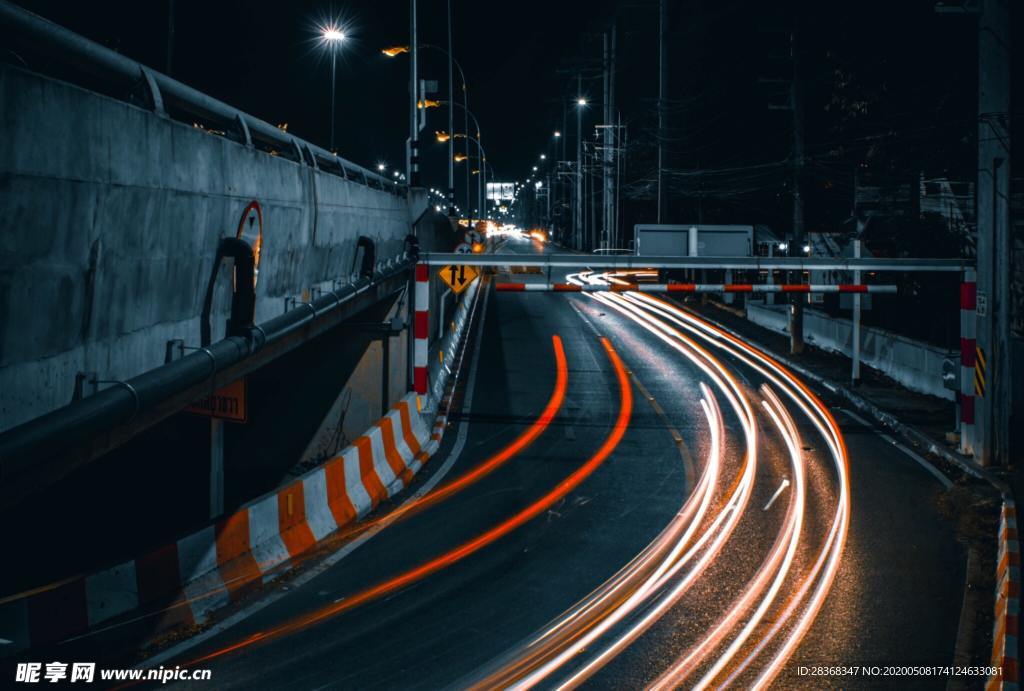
(483, 161)
(394, 51)
(581, 103)
(543, 157)
(332, 36)
(557, 134)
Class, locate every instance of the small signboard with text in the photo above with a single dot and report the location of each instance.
(227, 403)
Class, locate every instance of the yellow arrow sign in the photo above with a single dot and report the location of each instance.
(458, 276)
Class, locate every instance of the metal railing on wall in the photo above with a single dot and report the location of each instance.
(170, 98)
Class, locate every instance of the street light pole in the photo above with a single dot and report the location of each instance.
(332, 35)
(451, 120)
(482, 158)
(334, 66)
(413, 173)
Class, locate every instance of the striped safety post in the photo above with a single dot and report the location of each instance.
(421, 329)
(968, 343)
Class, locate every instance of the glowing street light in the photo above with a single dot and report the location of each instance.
(581, 101)
(543, 157)
(333, 34)
(557, 134)
(395, 50)
(381, 167)
(459, 158)
(443, 136)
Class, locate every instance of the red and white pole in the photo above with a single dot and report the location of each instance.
(421, 329)
(968, 344)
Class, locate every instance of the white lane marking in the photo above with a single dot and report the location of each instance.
(938, 474)
(331, 560)
(779, 491)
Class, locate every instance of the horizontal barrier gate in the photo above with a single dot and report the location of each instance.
(629, 263)
(692, 288)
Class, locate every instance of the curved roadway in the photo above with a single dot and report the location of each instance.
(674, 524)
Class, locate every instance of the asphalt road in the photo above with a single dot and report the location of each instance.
(510, 612)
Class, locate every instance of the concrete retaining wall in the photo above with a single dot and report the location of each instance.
(915, 365)
(109, 222)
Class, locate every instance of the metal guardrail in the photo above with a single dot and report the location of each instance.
(165, 92)
(41, 451)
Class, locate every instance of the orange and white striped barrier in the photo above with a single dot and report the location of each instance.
(1007, 610)
(188, 579)
(184, 582)
(692, 288)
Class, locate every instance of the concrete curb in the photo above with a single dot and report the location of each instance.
(208, 569)
(183, 583)
(1007, 594)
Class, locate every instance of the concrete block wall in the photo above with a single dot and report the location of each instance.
(109, 222)
(914, 364)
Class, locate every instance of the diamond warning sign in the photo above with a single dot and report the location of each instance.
(458, 276)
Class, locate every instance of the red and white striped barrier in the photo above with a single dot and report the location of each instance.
(1007, 610)
(968, 344)
(421, 329)
(693, 288)
(183, 582)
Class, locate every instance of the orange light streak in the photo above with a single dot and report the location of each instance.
(438, 563)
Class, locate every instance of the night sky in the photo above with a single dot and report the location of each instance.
(263, 58)
(878, 75)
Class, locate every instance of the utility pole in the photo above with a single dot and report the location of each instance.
(451, 119)
(994, 405)
(662, 93)
(614, 153)
(796, 312)
(608, 193)
(413, 167)
(578, 201)
(620, 144)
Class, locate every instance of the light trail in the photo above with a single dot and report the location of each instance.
(577, 621)
(789, 539)
(831, 552)
(472, 546)
(670, 571)
(413, 506)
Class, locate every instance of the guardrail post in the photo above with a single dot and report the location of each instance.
(421, 329)
(968, 343)
(855, 350)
